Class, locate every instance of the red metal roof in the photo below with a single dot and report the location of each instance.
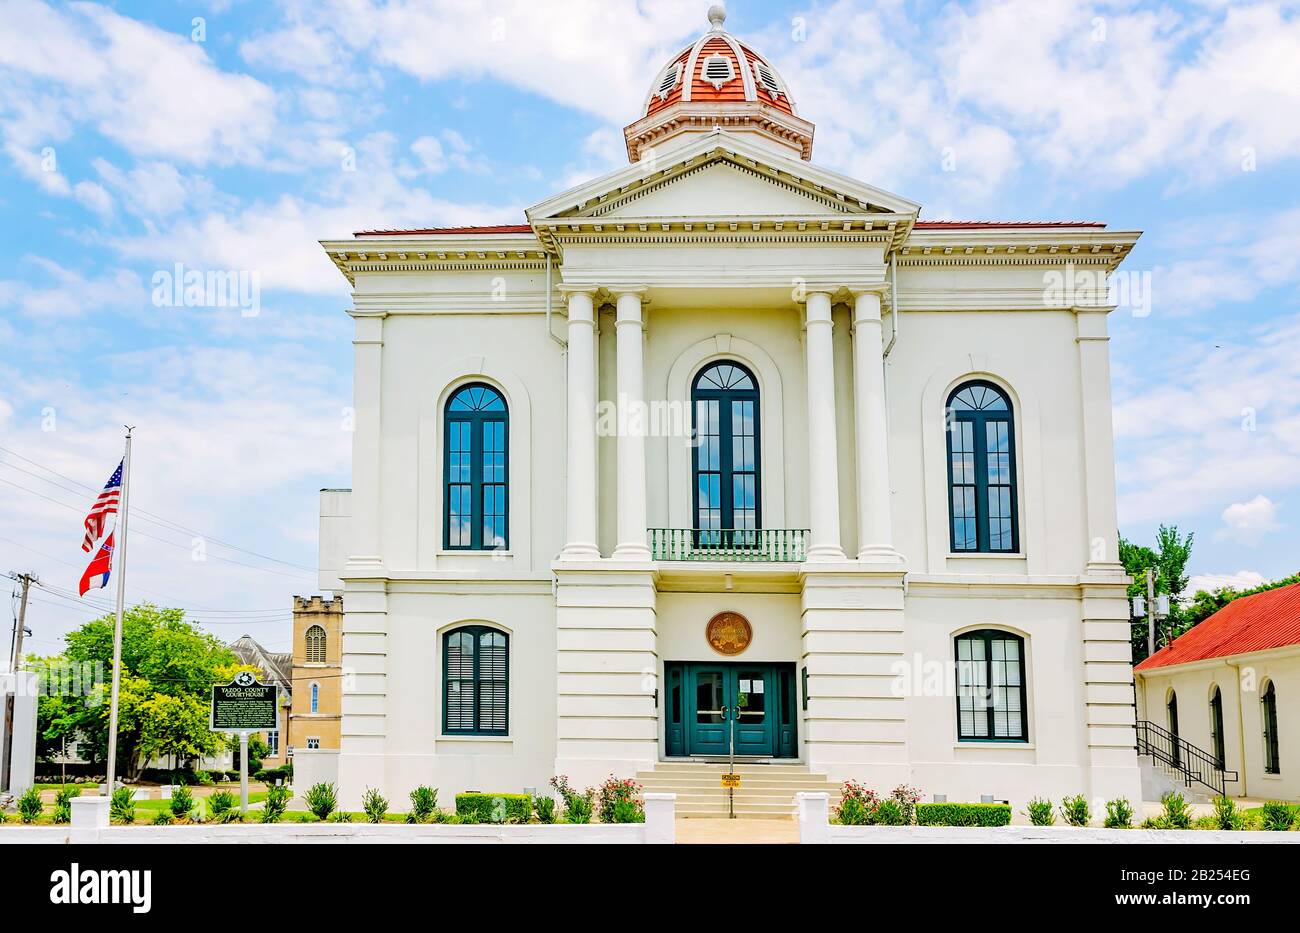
(993, 224)
(1250, 623)
(920, 225)
(430, 231)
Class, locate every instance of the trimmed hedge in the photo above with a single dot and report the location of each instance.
(483, 808)
(963, 814)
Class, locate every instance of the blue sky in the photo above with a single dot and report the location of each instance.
(234, 135)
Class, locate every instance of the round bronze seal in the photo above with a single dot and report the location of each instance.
(729, 633)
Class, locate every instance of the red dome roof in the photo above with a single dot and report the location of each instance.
(719, 68)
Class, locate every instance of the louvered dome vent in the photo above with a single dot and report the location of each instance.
(719, 81)
(718, 68)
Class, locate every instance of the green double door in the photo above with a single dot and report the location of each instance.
(707, 703)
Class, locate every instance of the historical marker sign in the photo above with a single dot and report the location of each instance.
(244, 705)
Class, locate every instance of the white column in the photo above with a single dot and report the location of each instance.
(580, 492)
(875, 531)
(632, 425)
(366, 549)
(823, 459)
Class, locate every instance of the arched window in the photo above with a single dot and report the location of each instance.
(1216, 726)
(475, 467)
(981, 470)
(991, 698)
(476, 681)
(1171, 710)
(315, 698)
(315, 645)
(1268, 707)
(726, 471)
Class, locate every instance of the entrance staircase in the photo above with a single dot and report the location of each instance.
(1174, 761)
(766, 789)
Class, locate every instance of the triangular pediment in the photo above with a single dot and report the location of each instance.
(720, 175)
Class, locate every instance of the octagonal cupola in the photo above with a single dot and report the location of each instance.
(719, 82)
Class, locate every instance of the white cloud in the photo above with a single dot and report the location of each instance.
(154, 93)
(71, 294)
(1209, 582)
(561, 54)
(1248, 522)
(278, 240)
(1216, 419)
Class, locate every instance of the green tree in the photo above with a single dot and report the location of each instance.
(1169, 560)
(169, 667)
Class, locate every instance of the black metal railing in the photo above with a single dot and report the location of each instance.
(729, 544)
(1180, 757)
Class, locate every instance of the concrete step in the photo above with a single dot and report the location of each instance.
(746, 780)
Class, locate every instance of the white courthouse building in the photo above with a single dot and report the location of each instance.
(724, 447)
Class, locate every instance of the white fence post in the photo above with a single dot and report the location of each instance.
(89, 818)
(814, 817)
(660, 819)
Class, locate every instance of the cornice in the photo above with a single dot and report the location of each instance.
(514, 252)
(1027, 247)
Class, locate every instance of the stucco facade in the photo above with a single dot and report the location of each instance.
(857, 322)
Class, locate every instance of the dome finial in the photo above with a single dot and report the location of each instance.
(717, 16)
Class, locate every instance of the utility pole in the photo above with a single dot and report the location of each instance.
(1151, 611)
(15, 663)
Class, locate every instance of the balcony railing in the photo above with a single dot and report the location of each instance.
(729, 544)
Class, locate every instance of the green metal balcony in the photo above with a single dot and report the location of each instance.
(729, 544)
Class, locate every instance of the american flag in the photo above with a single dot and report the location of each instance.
(104, 506)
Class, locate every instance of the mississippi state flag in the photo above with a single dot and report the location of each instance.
(99, 567)
(104, 506)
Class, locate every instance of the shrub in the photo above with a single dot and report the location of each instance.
(614, 791)
(545, 807)
(578, 808)
(277, 801)
(424, 804)
(963, 814)
(1075, 810)
(221, 802)
(1119, 814)
(340, 816)
(1040, 812)
(907, 798)
(63, 803)
(851, 812)
(375, 804)
(322, 799)
(1226, 815)
(182, 802)
(163, 818)
(450, 819)
(888, 813)
(1177, 815)
(1278, 816)
(30, 806)
(627, 811)
(283, 773)
(494, 808)
(233, 815)
(861, 802)
(122, 807)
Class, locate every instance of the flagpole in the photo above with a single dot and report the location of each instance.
(119, 567)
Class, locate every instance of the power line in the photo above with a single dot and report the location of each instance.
(184, 547)
(169, 600)
(156, 519)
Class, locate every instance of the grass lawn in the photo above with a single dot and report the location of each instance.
(44, 787)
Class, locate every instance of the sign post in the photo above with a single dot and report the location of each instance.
(245, 706)
(243, 773)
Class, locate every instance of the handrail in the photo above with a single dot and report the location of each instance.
(1182, 757)
(729, 544)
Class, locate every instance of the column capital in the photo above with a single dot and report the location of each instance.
(618, 291)
(867, 305)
